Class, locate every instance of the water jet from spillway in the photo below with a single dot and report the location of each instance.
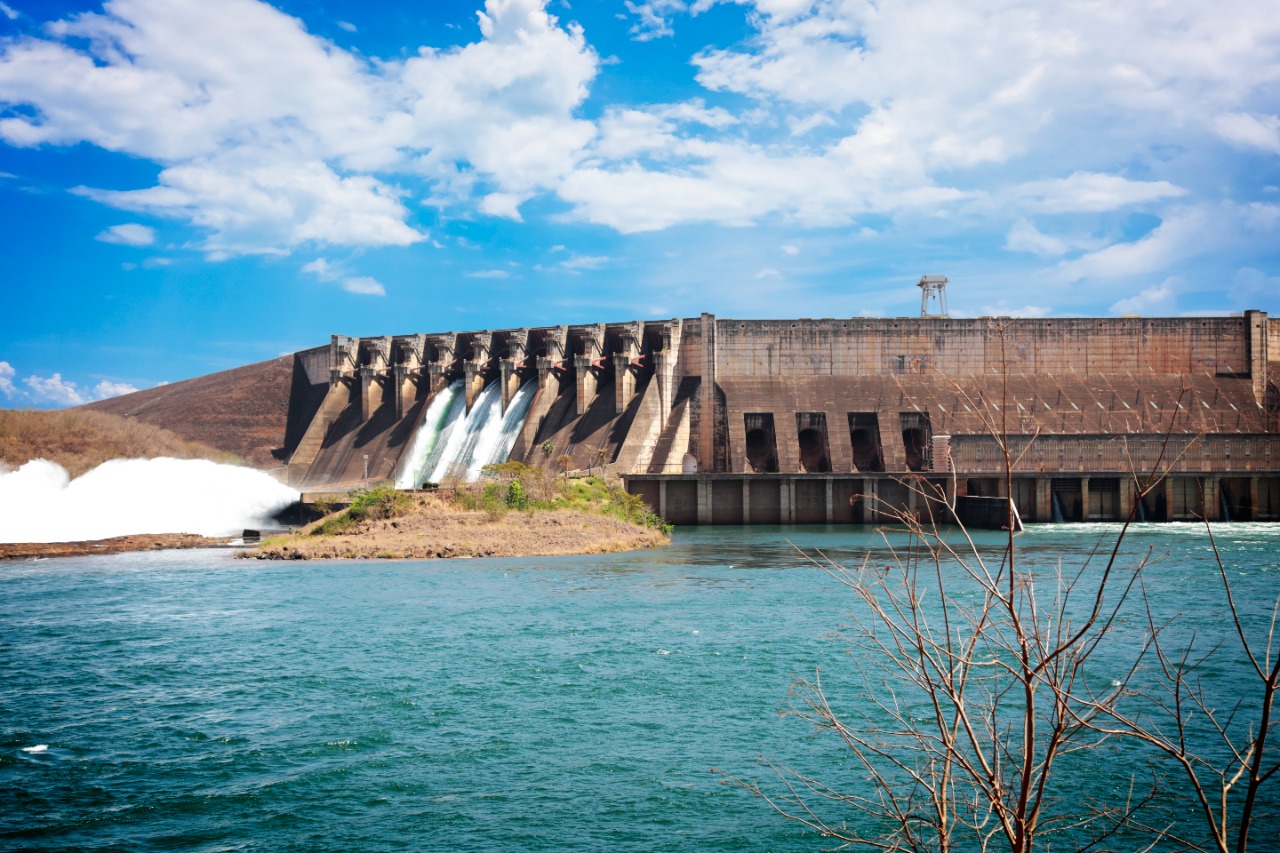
(133, 496)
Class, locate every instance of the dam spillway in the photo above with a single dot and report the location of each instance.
(766, 421)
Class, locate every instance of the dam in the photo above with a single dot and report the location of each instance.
(723, 421)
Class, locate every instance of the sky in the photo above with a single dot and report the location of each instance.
(188, 186)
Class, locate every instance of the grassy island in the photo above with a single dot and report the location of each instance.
(521, 512)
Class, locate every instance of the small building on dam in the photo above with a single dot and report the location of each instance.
(721, 421)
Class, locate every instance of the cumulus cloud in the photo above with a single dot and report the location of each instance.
(106, 389)
(6, 379)
(1159, 299)
(1184, 233)
(129, 234)
(364, 286)
(828, 113)
(271, 138)
(53, 390)
(1090, 192)
(654, 18)
(328, 271)
(1250, 131)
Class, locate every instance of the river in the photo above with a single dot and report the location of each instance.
(192, 701)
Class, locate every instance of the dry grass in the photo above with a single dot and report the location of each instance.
(82, 440)
(433, 529)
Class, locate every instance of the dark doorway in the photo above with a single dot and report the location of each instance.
(864, 435)
(815, 456)
(762, 443)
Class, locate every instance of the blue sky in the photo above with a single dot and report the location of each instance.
(190, 186)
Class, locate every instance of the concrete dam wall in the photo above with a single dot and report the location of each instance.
(767, 421)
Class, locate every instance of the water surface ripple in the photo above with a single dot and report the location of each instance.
(191, 701)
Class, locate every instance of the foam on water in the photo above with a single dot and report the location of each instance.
(41, 503)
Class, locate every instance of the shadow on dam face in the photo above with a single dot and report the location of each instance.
(815, 456)
(762, 443)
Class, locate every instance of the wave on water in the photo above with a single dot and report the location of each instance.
(39, 502)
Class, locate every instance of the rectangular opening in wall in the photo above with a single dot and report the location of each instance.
(864, 435)
(762, 443)
(815, 450)
(1268, 508)
(916, 436)
(1153, 505)
(1186, 497)
(1235, 499)
(1024, 498)
(1104, 499)
(1065, 500)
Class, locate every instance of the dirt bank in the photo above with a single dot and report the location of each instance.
(432, 529)
(116, 545)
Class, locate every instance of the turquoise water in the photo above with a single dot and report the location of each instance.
(191, 701)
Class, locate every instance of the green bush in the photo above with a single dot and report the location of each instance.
(516, 497)
(382, 502)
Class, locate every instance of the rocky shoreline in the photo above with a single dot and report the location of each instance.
(114, 545)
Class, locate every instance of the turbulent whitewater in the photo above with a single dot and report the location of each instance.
(452, 442)
(39, 502)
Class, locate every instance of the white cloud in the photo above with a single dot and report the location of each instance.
(768, 272)
(256, 208)
(1025, 237)
(322, 269)
(654, 18)
(364, 286)
(129, 234)
(1250, 131)
(1184, 233)
(106, 388)
(790, 249)
(960, 116)
(347, 25)
(489, 274)
(1250, 287)
(1090, 192)
(53, 390)
(270, 138)
(8, 11)
(1159, 300)
(585, 262)
(506, 205)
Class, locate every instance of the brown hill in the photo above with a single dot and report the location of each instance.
(244, 411)
(80, 440)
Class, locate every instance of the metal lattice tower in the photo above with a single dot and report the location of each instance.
(933, 296)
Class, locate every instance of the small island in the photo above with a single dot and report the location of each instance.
(495, 518)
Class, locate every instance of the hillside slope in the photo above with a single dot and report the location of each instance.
(243, 411)
(80, 440)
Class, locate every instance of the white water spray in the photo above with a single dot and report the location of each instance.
(478, 435)
(40, 503)
(421, 457)
(451, 442)
(500, 439)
